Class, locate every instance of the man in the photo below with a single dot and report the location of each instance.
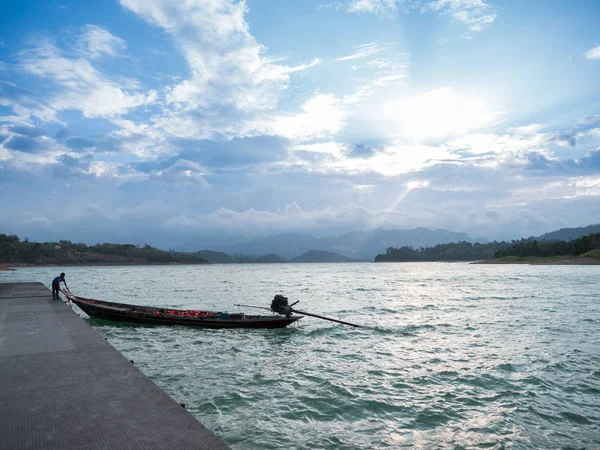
(56, 286)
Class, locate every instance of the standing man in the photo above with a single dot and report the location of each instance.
(56, 286)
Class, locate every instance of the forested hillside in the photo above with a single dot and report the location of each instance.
(458, 251)
(568, 234)
(581, 246)
(15, 251)
(586, 246)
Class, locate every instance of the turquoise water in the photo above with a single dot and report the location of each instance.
(450, 355)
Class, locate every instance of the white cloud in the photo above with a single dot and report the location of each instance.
(26, 108)
(281, 219)
(398, 159)
(364, 50)
(567, 188)
(436, 114)
(381, 81)
(380, 7)
(228, 66)
(496, 150)
(83, 87)
(474, 13)
(5, 155)
(104, 169)
(95, 41)
(593, 53)
(182, 172)
(43, 221)
(527, 130)
(389, 69)
(304, 66)
(389, 160)
(322, 115)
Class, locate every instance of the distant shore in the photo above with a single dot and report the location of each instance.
(13, 266)
(552, 261)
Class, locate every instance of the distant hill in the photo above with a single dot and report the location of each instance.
(319, 256)
(15, 251)
(215, 257)
(357, 245)
(569, 234)
(287, 245)
(223, 258)
(455, 251)
(210, 242)
(312, 256)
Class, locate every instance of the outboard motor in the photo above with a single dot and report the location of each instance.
(280, 305)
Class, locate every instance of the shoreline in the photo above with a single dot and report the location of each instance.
(560, 261)
(569, 261)
(14, 266)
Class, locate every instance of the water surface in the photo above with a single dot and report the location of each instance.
(450, 355)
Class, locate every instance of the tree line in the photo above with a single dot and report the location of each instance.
(545, 249)
(467, 251)
(15, 251)
(454, 251)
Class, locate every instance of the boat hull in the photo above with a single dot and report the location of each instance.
(120, 312)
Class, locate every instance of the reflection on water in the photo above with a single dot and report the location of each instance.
(450, 355)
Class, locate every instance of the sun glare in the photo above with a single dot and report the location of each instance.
(438, 113)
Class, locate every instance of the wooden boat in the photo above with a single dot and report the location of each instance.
(122, 312)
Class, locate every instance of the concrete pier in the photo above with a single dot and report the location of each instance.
(63, 386)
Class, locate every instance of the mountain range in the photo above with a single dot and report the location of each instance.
(356, 245)
(568, 234)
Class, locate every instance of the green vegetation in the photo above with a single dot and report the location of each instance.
(15, 251)
(591, 254)
(577, 247)
(457, 251)
(508, 252)
(568, 234)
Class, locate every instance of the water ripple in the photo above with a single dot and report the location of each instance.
(450, 355)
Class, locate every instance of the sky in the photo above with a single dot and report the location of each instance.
(153, 121)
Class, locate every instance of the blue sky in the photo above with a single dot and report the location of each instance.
(158, 121)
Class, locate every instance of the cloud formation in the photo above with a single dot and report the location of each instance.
(379, 7)
(476, 14)
(227, 65)
(364, 50)
(208, 130)
(593, 53)
(95, 42)
(80, 86)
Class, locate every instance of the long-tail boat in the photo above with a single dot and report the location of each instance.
(123, 312)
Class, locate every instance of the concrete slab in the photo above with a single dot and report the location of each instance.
(63, 386)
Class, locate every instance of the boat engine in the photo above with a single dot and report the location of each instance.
(280, 305)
